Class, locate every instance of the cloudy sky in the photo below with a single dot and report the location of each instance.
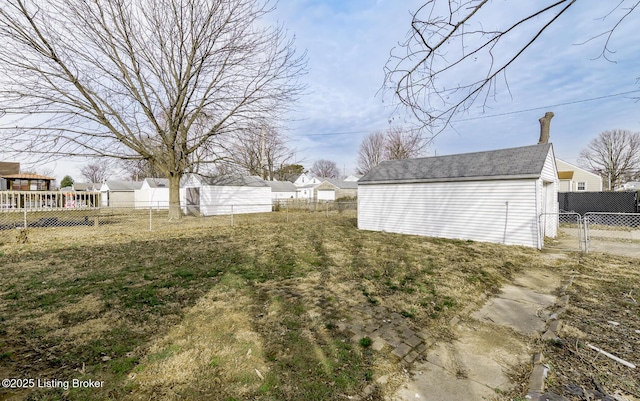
(348, 43)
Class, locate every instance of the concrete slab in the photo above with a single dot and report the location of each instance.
(475, 366)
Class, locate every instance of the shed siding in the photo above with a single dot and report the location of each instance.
(121, 199)
(157, 198)
(474, 210)
(216, 200)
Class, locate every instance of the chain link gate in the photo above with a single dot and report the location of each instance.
(570, 234)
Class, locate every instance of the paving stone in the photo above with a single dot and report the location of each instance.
(411, 356)
(423, 334)
(395, 316)
(394, 342)
(407, 332)
(401, 350)
(357, 337)
(378, 344)
(413, 341)
(422, 347)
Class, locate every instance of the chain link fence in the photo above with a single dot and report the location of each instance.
(613, 233)
(16, 225)
(617, 233)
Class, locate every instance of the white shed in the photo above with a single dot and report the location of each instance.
(224, 195)
(153, 193)
(503, 196)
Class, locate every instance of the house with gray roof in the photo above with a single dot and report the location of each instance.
(209, 196)
(505, 196)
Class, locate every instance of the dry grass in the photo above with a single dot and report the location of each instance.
(200, 309)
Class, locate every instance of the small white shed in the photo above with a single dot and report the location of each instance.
(502, 196)
(212, 196)
(154, 193)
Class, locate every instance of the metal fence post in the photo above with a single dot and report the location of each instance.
(25, 218)
(150, 218)
(231, 215)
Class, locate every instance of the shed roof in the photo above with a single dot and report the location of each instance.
(233, 181)
(512, 163)
(157, 182)
(281, 186)
(118, 185)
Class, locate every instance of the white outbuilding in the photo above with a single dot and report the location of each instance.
(504, 196)
(210, 196)
(154, 193)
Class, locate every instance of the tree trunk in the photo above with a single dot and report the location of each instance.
(175, 212)
(545, 125)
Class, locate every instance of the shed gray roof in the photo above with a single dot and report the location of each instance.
(118, 185)
(522, 162)
(157, 182)
(234, 181)
(281, 186)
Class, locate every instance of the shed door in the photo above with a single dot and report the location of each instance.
(193, 196)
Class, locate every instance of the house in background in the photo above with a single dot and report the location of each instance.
(504, 196)
(282, 190)
(305, 185)
(119, 193)
(575, 179)
(332, 189)
(210, 196)
(7, 168)
(154, 193)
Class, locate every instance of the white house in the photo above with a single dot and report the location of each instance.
(281, 190)
(303, 180)
(117, 193)
(576, 179)
(153, 193)
(211, 196)
(503, 196)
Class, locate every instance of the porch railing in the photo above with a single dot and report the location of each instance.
(45, 200)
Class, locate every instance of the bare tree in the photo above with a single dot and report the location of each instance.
(393, 144)
(261, 151)
(97, 172)
(453, 58)
(371, 151)
(166, 81)
(325, 169)
(137, 170)
(402, 144)
(614, 155)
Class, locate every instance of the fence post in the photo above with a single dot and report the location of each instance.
(287, 213)
(326, 208)
(231, 215)
(25, 218)
(150, 218)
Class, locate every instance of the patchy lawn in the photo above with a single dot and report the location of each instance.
(205, 310)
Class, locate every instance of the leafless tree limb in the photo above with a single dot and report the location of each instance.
(451, 60)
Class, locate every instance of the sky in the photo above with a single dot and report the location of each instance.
(348, 43)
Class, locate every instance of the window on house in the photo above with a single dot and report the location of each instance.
(582, 186)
